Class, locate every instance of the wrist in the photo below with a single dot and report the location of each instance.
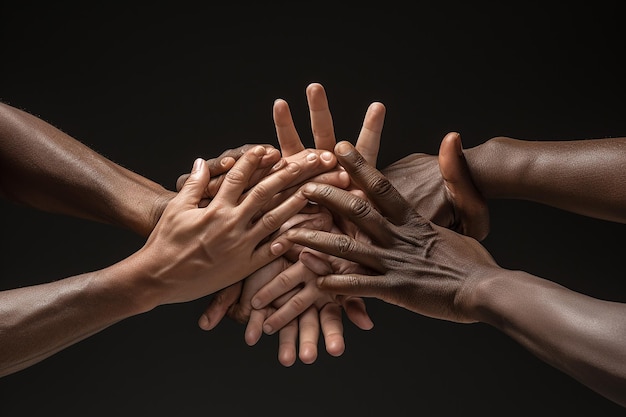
(131, 282)
(498, 299)
(494, 166)
(143, 207)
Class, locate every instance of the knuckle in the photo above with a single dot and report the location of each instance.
(284, 281)
(293, 168)
(353, 281)
(261, 192)
(380, 186)
(344, 244)
(324, 191)
(270, 221)
(235, 176)
(360, 208)
(298, 303)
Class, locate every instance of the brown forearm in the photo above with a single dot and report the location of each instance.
(582, 336)
(44, 168)
(38, 321)
(587, 177)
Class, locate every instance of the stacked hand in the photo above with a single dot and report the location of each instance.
(283, 296)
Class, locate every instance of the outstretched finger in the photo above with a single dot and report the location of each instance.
(368, 142)
(321, 119)
(286, 132)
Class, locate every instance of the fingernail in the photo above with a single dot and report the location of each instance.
(327, 156)
(255, 303)
(345, 178)
(343, 148)
(459, 145)
(277, 248)
(203, 322)
(311, 157)
(309, 188)
(197, 164)
(267, 329)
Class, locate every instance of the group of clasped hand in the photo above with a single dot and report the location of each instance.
(287, 240)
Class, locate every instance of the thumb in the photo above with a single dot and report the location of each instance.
(192, 190)
(471, 212)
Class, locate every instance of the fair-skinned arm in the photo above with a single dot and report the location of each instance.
(173, 266)
(442, 274)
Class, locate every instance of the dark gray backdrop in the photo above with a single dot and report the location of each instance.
(153, 88)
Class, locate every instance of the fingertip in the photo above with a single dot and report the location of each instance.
(377, 107)
(197, 165)
(227, 162)
(314, 87)
(452, 142)
(336, 348)
(367, 324)
(259, 150)
(321, 282)
(277, 248)
(343, 148)
(308, 353)
(252, 336)
(287, 357)
(204, 323)
(256, 303)
(344, 179)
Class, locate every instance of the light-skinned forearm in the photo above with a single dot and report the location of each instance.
(587, 177)
(580, 335)
(38, 321)
(45, 168)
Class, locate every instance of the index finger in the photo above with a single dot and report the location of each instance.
(368, 142)
(376, 186)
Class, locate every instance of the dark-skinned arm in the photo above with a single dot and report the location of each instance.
(436, 272)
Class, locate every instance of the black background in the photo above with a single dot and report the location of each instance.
(152, 88)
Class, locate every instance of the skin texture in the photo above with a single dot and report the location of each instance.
(440, 186)
(436, 272)
(289, 301)
(47, 169)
